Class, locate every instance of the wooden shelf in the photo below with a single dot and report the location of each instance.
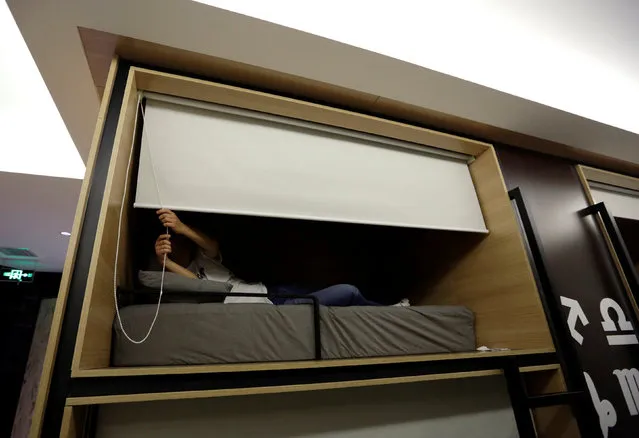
(123, 385)
(269, 366)
(181, 395)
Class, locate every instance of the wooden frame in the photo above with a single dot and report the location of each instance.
(74, 420)
(56, 324)
(234, 392)
(291, 365)
(606, 177)
(79, 412)
(587, 174)
(494, 278)
(97, 318)
(539, 379)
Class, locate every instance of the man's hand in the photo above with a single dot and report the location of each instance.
(163, 247)
(170, 220)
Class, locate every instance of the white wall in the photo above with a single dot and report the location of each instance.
(464, 408)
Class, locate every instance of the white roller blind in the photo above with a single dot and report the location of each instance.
(209, 158)
(619, 202)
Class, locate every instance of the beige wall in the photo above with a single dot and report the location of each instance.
(473, 407)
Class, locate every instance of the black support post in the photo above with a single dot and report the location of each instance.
(61, 375)
(519, 400)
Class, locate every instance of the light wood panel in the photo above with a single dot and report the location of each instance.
(68, 429)
(130, 398)
(269, 366)
(70, 422)
(272, 104)
(74, 422)
(67, 271)
(611, 178)
(538, 368)
(494, 278)
(93, 345)
(100, 46)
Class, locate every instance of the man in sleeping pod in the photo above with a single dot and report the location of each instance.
(207, 264)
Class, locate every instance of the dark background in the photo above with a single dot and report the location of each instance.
(18, 314)
(630, 232)
(578, 264)
(385, 263)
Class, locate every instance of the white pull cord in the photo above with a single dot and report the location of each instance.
(117, 246)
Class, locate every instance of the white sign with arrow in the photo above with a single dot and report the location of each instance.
(575, 314)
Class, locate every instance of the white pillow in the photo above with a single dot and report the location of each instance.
(176, 283)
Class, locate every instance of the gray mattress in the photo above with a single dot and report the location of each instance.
(230, 333)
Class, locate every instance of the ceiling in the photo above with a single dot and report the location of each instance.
(554, 53)
(48, 150)
(492, 89)
(35, 209)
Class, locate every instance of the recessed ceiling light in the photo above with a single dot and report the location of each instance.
(65, 233)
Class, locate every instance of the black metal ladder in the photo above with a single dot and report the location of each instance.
(621, 251)
(523, 403)
(576, 396)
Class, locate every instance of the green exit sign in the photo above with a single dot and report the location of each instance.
(16, 275)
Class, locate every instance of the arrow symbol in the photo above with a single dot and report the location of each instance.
(575, 313)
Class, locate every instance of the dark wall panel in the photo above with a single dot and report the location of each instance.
(578, 265)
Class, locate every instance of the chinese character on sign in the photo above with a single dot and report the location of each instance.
(622, 325)
(17, 275)
(629, 383)
(618, 331)
(575, 314)
(610, 325)
(605, 409)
